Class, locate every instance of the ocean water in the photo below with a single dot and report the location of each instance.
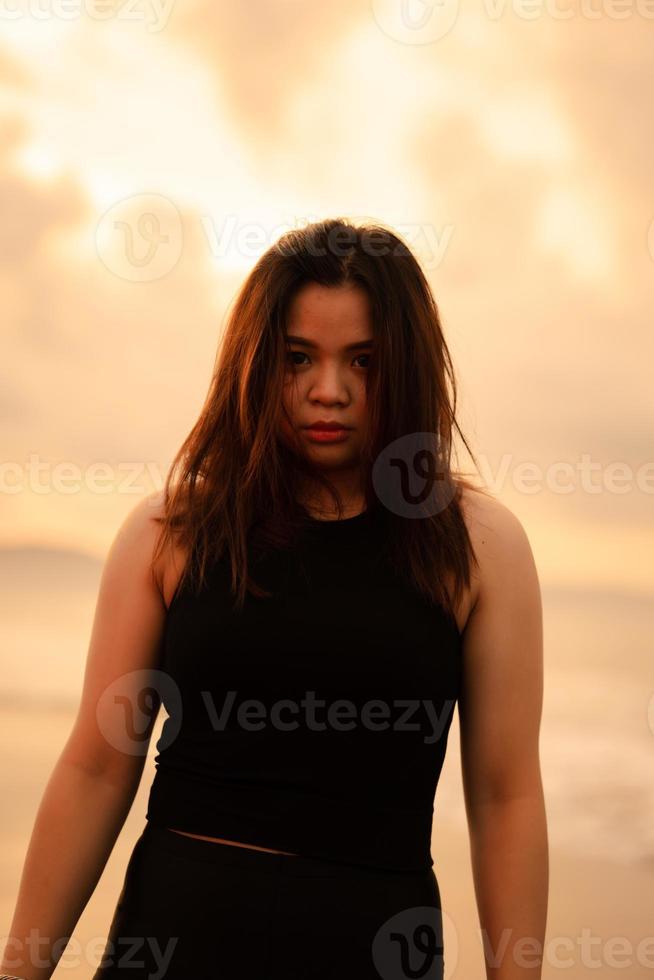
(597, 730)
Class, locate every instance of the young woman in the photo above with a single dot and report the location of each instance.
(310, 596)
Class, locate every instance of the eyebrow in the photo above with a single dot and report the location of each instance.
(360, 345)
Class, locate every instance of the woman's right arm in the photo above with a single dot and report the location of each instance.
(95, 779)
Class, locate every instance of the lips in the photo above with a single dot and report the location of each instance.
(328, 426)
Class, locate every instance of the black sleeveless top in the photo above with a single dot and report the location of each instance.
(315, 721)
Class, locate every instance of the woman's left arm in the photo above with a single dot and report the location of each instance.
(500, 710)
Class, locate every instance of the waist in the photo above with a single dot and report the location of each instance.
(230, 843)
(327, 828)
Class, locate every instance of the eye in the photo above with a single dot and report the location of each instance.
(301, 353)
(296, 353)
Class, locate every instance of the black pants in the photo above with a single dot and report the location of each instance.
(199, 910)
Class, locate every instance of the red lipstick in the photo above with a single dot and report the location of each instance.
(327, 431)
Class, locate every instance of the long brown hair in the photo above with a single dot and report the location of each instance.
(233, 485)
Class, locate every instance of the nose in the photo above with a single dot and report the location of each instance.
(329, 386)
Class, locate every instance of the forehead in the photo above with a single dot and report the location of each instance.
(334, 310)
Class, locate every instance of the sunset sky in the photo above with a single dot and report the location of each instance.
(510, 143)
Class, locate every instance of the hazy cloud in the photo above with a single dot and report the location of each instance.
(262, 53)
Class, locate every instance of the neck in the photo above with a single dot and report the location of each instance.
(320, 504)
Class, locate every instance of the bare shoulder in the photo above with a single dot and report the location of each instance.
(170, 562)
(490, 522)
(140, 526)
(140, 532)
(499, 541)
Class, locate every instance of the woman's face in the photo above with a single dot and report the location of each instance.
(329, 339)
